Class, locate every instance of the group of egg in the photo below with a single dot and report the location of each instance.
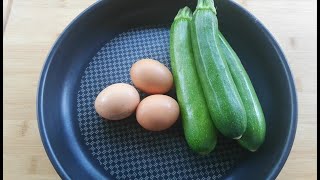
(156, 112)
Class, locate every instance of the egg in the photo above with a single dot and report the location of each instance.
(150, 76)
(117, 101)
(157, 112)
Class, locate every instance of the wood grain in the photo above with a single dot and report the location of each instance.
(34, 25)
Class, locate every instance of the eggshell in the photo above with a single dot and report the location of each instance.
(150, 76)
(157, 112)
(117, 101)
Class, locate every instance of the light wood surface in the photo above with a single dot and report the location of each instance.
(34, 25)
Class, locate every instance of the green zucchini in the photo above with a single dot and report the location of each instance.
(256, 127)
(222, 97)
(199, 130)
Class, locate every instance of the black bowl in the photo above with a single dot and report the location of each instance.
(98, 48)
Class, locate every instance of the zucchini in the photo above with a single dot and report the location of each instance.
(256, 127)
(199, 130)
(222, 97)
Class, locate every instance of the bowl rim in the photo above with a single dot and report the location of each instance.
(41, 84)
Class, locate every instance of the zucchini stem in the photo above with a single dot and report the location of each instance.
(206, 4)
(184, 13)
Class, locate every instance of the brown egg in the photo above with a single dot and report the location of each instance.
(117, 101)
(157, 112)
(151, 76)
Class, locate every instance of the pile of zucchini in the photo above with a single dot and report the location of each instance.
(214, 91)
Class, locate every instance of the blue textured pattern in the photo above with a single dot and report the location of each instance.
(125, 149)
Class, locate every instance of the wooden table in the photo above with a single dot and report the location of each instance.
(33, 26)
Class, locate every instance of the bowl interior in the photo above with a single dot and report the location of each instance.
(98, 49)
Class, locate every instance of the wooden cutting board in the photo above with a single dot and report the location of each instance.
(32, 27)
